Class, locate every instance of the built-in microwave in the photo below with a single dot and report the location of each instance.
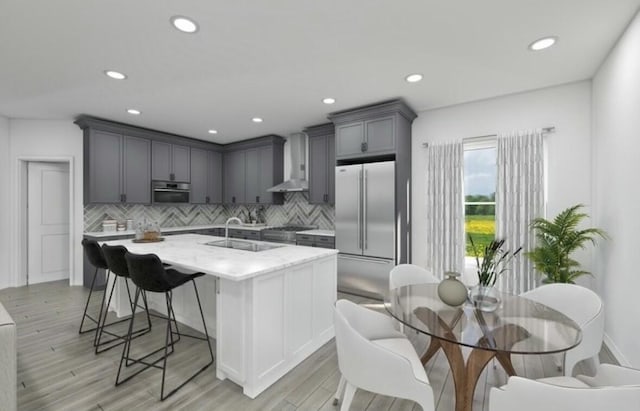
(170, 192)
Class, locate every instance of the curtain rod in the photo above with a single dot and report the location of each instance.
(544, 130)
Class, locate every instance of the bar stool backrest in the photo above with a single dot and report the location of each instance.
(114, 255)
(147, 272)
(94, 253)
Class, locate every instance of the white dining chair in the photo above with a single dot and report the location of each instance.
(372, 362)
(612, 388)
(585, 308)
(409, 274)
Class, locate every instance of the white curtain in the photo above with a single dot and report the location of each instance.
(445, 208)
(519, 199)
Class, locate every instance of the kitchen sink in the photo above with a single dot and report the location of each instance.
(243, 245)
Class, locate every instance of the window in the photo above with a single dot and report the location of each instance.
(480, 193)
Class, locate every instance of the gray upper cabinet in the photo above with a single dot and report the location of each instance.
(136, 178)
(234, 177)
(322, 161)
(379, 130)
(252, 175)
(380, 136)
(351, 139)
(206, 176)
(171, 162)
(250, 168)
(199, 159)
(103, 176)
(214, 178)
(117, 168)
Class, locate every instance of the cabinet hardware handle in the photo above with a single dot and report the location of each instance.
(233, 199)
(325, 198)
(172, 176)
(364, 146)
(257, 199)
(207, 200)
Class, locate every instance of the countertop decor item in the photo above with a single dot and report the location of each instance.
(557, 240)
(494, 263)
(451, 290)
(150, 240)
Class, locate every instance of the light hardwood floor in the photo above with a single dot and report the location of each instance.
(58, 370)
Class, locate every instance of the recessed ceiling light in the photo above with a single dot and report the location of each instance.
(413, 78)
(328, 100)
(212, 131)
(542, 43)
(115, 74)
(257, 120)
(134, 111)
(184, 24)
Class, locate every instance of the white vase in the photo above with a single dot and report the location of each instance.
(451, 291)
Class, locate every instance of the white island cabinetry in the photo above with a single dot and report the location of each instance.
(267, 310)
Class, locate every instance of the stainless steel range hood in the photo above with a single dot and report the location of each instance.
(297, 147)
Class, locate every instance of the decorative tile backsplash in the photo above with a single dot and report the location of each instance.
(295, 210)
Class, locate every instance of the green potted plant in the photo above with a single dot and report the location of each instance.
(557, 240)
(495, 261)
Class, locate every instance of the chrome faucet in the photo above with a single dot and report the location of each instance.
(226, 227)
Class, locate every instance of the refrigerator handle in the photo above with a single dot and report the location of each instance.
(364, 209)
(359, 209)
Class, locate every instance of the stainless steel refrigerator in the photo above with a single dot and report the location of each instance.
(365, 227)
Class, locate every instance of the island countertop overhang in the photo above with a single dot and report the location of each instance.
(189, 251)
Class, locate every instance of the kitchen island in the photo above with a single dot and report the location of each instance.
(268, 309)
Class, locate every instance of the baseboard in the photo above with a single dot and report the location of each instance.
(615, 352)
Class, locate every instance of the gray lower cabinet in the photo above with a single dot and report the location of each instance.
(206, 177)
(171, 162)
(321, 241)
(244, 234)
(322, 162)
(118, 168)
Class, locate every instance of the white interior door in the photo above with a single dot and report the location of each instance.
(48, 222)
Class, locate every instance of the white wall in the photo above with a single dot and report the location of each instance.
(4, 203)
(41, 139)
(567, 107)
(616, 145)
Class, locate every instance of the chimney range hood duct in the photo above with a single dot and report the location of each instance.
(297, 143)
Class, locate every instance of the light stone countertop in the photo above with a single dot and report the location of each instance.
(189, 251)
(326, 233)
(102, 234)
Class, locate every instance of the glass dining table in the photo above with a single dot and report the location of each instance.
(517, 326)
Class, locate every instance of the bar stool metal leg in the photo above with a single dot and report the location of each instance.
(86, 306)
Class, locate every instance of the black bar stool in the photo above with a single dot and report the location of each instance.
(96, 258)
(148, 274)
(114, 256)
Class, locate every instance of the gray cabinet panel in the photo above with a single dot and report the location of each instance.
(252, 176)
(180, 163)
(266, 175)
(105, 162)
(137, 170)
(214, 177)
(160, 161)
(331, 169)
(199, 175)
(380, 135)
(318, 163)
(349, 139)
(322, 161)
(234, 169)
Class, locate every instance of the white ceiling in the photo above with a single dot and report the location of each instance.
(278, 58)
